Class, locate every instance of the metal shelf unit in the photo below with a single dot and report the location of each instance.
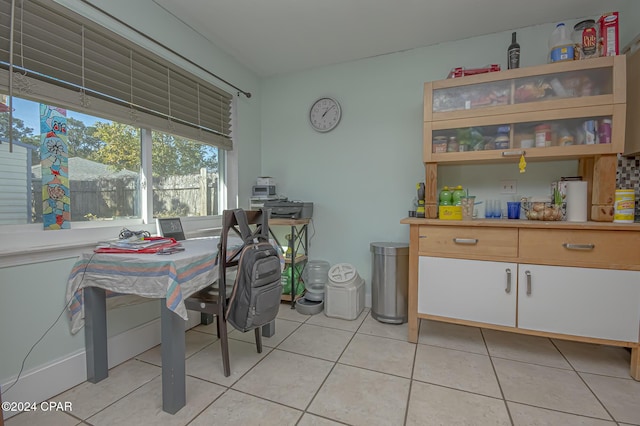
(299, 244)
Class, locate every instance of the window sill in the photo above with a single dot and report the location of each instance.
(28, 244)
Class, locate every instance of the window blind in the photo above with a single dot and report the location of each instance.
(73, 62)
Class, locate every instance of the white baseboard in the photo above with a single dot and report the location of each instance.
(48, 380)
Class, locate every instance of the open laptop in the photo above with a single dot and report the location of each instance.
(170, 227)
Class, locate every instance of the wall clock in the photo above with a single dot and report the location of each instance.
(325, 114)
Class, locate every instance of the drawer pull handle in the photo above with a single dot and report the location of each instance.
(469, 241)
(569, 246)
(422, 236)
(513, 153)
(508, 289)
(528, 273)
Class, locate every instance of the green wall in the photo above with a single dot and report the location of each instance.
(362, 175)
(32, 296)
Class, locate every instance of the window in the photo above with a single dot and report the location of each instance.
(185, 177)
(114, 92)
(104, 162)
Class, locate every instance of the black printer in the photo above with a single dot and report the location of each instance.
(283, 209)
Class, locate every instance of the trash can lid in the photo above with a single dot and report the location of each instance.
(393, 249)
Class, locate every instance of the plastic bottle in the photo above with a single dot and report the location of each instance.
(457, 194)
(561, 47)
(285, 277)
(513, 53)
(445, 196)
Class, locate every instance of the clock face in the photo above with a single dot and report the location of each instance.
(325, 114)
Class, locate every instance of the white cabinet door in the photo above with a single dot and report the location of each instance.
(468, 289)
(579, 301)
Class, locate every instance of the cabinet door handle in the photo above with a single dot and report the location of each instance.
(513, 153)
(528, 273)
(569, 246)
(508, 289)
(469, 241)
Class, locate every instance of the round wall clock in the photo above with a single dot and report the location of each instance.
(325, 114)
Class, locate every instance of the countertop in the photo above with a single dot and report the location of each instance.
(521, 223)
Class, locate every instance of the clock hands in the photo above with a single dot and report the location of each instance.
(328, 109)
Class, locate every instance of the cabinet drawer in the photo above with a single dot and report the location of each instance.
(462, 240)
(609, 249)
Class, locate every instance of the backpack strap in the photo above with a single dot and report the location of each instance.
(243, 225)
(264, 226)
(262, 231)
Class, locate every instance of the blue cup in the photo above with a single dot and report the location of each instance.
(513, 209)
(492, 209)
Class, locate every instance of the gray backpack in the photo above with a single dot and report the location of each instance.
(255, 298)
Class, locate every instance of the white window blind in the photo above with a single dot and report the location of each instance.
(73, 62)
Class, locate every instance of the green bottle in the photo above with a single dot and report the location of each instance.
(445, 196)
(285, 277)
(456, 195)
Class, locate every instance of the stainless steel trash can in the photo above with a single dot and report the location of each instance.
(389, 282)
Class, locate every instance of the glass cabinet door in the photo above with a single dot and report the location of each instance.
(574, 108)
(473, 96)
(571, 84)
(552, 82)
(526, 135)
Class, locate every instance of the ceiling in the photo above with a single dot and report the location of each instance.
(279, 36)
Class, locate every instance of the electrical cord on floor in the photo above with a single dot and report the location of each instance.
(66, 306)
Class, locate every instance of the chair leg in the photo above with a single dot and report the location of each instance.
(217, 325)
(206, 319)
(224, 344)
(258, 340)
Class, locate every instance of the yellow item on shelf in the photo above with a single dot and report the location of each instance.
(450, 212)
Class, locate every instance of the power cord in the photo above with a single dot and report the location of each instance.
(66, 306)
(126, 234)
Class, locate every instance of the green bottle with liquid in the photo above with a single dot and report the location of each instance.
(446, 196)
(457, 194)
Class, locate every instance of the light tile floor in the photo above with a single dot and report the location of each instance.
(325, 371)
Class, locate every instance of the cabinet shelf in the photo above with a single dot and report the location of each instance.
(465, 116)
(298, 259)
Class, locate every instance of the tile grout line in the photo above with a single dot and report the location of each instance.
(583, 381)
(335, 363)
(413, 368)
(495, 372)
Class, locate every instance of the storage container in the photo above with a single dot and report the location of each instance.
(440, 144)
(624, 206)
(344, 292)
(315, 277)
(450, 212)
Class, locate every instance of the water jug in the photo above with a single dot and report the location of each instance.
(560, 45)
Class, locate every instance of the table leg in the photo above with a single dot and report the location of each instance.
(269, 330)
(173, 363)
(95, 333)
(635, 363)
(1, 412)
(292, 245)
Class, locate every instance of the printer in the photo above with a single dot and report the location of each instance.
(283, 209)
